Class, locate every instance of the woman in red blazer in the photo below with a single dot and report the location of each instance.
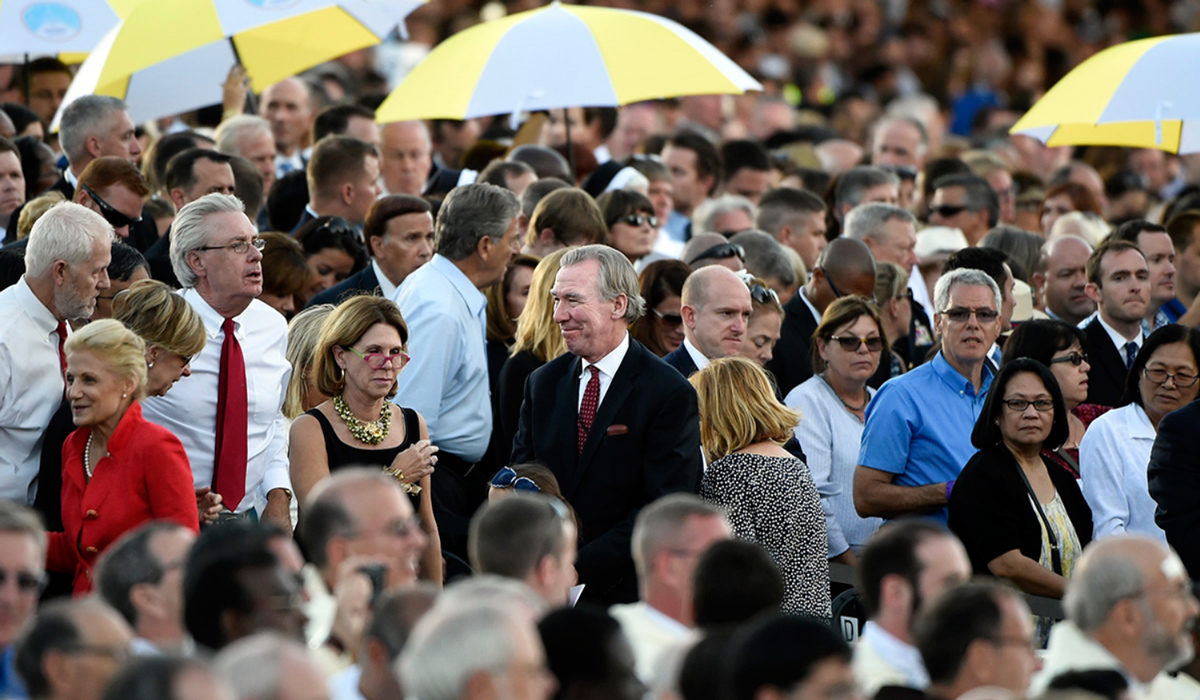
(119, 470)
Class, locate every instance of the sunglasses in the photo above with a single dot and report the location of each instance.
(948, 210)
(110, 213)
(959, 314)
(672, 320)
(378, 360)
(850, 343)
(720, 252)
(637, 220)
(507, 478)
(26, 582)
(1075, 358)
(904, 172)
(338, 227)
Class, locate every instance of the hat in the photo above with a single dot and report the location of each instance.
(1023, 302)
(610, 176)
(939, 241)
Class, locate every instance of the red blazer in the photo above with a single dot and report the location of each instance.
(145, 476)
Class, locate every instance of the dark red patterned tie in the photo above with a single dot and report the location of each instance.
(587, 409)
(229, 458)
(62, 339)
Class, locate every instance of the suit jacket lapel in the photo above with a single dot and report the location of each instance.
(565, 428)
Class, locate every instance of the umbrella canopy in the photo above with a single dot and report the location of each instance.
(562, 56)
(1139, 94)
(170, 57)
(58, 26)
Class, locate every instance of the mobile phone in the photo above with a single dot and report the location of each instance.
(377, 574)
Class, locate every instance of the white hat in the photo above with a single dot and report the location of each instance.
(939, 241)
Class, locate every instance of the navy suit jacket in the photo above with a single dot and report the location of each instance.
(305, 217)
(644, 443)
(792, 362)
(1174, 480)
(362, 282)
(680, 359)
(1106, 378)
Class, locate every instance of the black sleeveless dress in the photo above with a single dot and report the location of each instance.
(339, 454)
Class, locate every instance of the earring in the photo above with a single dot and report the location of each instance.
(124, 396)
(149, 365)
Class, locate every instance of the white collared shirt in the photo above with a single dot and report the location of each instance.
(189, 410)
(386, 289)
(608, 366)
(812, 309)
(1119, 340)
(881, 659)
(31, 387)
(1113, 457)
(698, 357)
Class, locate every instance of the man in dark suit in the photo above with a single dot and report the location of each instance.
(399, 233)
(844, 267)
(1174, 479)
(1119, 283)
(190, 175)
(618, 427)
(716, 309)
(343, 180)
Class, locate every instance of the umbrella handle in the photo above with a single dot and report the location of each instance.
(250, 99)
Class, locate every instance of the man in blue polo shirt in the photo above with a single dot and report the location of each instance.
(918, 426)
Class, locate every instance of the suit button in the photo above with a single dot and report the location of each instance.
(91, 515)
(91, 550)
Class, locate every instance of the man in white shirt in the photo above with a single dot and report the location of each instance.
(904, 565)
(716, 310)
(215, 254)
(669, 536)
(66, 268)
(1129, 608)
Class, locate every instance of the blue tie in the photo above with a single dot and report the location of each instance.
(1131, 349)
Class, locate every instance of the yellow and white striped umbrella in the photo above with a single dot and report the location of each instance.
(172, 56)
(562, 56)
(56, 27)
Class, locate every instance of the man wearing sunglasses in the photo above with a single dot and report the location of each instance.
(716, 309)
(22, 556)
(965, 202)
(115, 189)
(917, 435)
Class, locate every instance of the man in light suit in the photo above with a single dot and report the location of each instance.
(617, 425)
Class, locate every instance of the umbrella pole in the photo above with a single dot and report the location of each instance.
(25, 78)
(570, 150)
(249, 93)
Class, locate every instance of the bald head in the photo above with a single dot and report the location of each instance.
(716, 309)
(846, 267)
(844, 256)
(713, 282)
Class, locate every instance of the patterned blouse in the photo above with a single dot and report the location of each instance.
(773, 502)
(1069, 550)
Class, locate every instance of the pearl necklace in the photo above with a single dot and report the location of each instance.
(87, 458)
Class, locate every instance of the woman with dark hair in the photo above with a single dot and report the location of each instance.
(1064, 198)
(1115, 452)
(661, 329)
(37, 165)
(1061, 347)
(284, 272)
(632, 226)
(1019, 518)
(505, 302)
(333, 252)
(25, 121)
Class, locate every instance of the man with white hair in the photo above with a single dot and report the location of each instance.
(66, 268)
(227, 412)
(899, 141)
(268, 666)
(1130, 608)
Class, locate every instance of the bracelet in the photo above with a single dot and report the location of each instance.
(398, 475)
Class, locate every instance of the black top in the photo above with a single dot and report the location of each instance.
(510, 391)
(341, 455)
(990, 510)
(792, 362)
(1106, 378)
(1174, 481)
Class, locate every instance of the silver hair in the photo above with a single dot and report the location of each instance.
(659, 523)
(867, 220)
(231, 131)
(1096, 589)
(83, 118)
(190, 231)
(963, 277)
(922, 147)
(254, 665)
(764, 256)
(706, 214)
(471, 212)
(452, 643)
(617, 276)
(66, 232)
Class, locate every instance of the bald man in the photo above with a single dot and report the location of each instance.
(1129, 608)
(716, 308)
(1060, 277)
(845, 267)
(286, 105)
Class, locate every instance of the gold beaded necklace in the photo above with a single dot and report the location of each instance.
(372, 433)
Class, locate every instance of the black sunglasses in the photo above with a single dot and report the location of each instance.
(1075, 358)
(110, 213)
(637, 220)
(948, 210)
(720, 252)
(850, 343)
(904, 172)
(763, 295)
(338, 227)
(672, 320)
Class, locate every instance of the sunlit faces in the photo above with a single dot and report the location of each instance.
(258, 147)
(381, 339)
(516, 293)
(211, 178)
(661, 194)
(407, 157)
(1124, 289)
(1026, 426)
(222, 270)
(1160, 259)
(12, 185)
(46, 93)
(749, 183)
(121, 139)
(407, 243)
(762, 333)
(668, 323)
(591, 325)
(897, 244)
(1072, 378)
(386, 530)
(1053, 209)
(168, 368)
(98, 395)
(1064, 285)
(1160, 385)
(285, 105)
(327, 267)
(806, 236)
(861, 362)
(944, 563)
(635, 241)
(897, 142)
(76, 287)
(690, 189)
(365, 191)
(968, 341)
(717, 321)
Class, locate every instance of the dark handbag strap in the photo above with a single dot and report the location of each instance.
(1055, 554)
(1066, 457)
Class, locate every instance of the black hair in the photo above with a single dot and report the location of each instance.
(734, 581)
(286, 200)
(579, 646)
(1039, 339)
(989, 261)
(150, 678)
(125, 261)
(53, 627)
(212, 577)
(987, 433)
(331, 232)
(1106, 683)
(963, 614)
(892, 550)
(336, 119)
(708, 158)
(978, 194)
(181, 169)
(1165, 335)
(781, 652)
(744, 153)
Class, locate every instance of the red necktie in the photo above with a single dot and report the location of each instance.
(587, 409)
(229, 458)
(62, 339)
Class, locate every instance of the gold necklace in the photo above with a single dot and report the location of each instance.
(372, 433)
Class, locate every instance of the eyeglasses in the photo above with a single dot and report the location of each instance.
(1024, 643)
(639, 219)
(240, 246)
(672, 320)
(507, 478)
(378, 360)
(116, 653)
(836, 292)
(397, 528)
(110, 213)
(27, 582)
(960, 314)
(948, 210)
(1039, 405)
(720, 252)
(1075, 358)
(851, 343)
(1160, 376)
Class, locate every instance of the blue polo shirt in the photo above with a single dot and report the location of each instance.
(918, 425)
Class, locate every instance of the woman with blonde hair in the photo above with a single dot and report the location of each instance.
(303, 332)
(538, 340)
(895, 311)
(360, 353)
(169, 326)
(767, 493)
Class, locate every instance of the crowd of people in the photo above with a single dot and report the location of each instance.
(448, 410)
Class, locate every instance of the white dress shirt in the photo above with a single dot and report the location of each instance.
(31, 388)
(881, 659)
(608, 366)
(1113, 457)
(698, 358)
(650, 633)
(189, 410)
(1119, 340)
(387, 290)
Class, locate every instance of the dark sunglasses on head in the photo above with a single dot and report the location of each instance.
(948, 210)
(338, 227)
(763, 295)
(850, 343)
(721, 251)
(639, 219)
(108, 211)
(1075, 358)
(671, 320)
(507, 478)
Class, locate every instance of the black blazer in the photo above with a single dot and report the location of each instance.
(1106, 378)
(990, 512)
(363, 281)
(158, 256)
(680, 359)
(1174, 479)
(792, 363)
(305, 217)
(644, 443)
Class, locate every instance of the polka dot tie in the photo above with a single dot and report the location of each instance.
(587, 409)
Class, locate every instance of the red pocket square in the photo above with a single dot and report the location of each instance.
(617, 430)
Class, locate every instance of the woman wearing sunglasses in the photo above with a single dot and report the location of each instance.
(1063, 348)
(632, 226)
(333, 251)
(832, 404)
(661, 328)
(359, 355)
(1115, 452)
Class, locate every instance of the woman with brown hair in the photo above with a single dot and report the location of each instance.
(505, 303)
(661, 329)
(284, 272)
